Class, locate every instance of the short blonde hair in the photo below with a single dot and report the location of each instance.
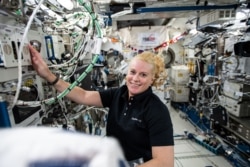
(157, 61)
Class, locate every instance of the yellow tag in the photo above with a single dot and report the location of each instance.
(180, 74)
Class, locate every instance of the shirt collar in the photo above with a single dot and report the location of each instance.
(138, 97)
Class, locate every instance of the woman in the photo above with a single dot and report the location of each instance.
(137, 118)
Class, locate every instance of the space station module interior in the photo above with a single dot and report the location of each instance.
(89, 43)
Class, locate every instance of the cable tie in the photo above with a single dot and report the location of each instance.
(69, 88)
(77, 81)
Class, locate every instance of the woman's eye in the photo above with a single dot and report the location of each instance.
(143, 75)
(132, 72)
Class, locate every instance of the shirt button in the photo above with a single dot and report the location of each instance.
(129, 103)
(125, 114)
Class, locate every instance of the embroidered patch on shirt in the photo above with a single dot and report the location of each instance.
(136, 119)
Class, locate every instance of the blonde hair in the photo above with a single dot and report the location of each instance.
(157, 61)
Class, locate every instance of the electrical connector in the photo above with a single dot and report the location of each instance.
(239, 94)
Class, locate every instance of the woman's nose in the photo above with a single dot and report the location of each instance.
(136, 77)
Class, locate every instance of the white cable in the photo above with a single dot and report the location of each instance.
(28, 103)
(20, 53)
(124, 12)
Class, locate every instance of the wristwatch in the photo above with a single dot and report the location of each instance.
(56, 80)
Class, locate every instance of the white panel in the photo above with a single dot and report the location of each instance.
(231, 89)
(179, 74)
(179, 94)
(217, 17)
(10, 40)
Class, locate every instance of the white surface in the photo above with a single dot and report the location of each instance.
(34, 145)
(188, 153)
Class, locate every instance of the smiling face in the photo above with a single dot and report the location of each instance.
(139, 77)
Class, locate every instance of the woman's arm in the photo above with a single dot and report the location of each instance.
(77, 94)
(163, 156)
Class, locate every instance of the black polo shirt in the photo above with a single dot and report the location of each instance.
(138, 123)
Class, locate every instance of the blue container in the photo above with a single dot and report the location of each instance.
(211, 69)
(4, 115)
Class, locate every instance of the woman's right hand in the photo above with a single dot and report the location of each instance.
(40, 65)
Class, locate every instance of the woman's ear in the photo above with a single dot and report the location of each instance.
(152, 81)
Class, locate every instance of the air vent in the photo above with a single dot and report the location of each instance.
(217, 17)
